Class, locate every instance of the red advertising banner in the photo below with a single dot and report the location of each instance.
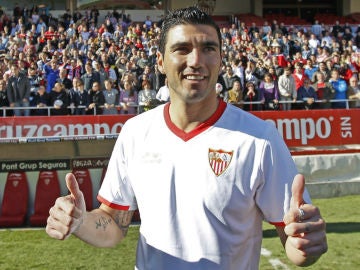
(316, 127)
(56, 128)
(298, 128)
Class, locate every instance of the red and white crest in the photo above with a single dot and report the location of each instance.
(219, 160)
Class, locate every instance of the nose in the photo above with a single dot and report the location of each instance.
(194, 58)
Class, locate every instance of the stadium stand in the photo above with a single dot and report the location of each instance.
(15, 201)
(47, 190)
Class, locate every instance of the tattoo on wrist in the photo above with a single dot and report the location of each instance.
(123, 220)
(102, 223)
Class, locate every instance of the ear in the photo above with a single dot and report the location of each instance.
(160, 62)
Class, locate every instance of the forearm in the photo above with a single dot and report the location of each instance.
(103, 230)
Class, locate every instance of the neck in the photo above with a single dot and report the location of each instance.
(187, 116)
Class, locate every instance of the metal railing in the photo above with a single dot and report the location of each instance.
(118, 107)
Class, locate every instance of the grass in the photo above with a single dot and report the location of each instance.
(33, 249)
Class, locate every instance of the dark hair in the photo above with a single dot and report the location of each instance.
(189, 15)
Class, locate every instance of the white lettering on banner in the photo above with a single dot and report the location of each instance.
(79, 129)
(41, 130)
(52, 165)
(28, 166)
(33, 131)
(304, 128)
(346, 131)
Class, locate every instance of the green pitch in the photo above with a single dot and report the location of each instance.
(33, 249)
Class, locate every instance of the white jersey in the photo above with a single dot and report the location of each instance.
(202, 195)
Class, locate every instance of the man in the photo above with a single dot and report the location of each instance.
(204, 181)
(51, 71)
(287, 89)
(316, 29)
(64, 80)
(89, 77)
(229, 77)
(354, 93)
(310, 69)
(18, 91)
(341, 90)
(235, 95)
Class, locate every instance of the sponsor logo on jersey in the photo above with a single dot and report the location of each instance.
(219, 160)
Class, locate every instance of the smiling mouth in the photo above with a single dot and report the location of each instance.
(194, 77)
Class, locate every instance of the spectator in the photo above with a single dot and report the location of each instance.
(275, 64)
(157, 78)
(229, 78)
(41, 99)
(307, 94)
(103, 75)
(110, 73)
(337, 29)
(287, 89)
(269, 93)
(354, 93)
(235, 95)
(64, 80)
(310, 70)
(260, 70)
(51, 74)
(147, 97)
(163, 94)
(4, 102)
(96, 100)
(249, 74)
(314, 42)
(277, 52)
(251, 95)
(341, 90)
(324, 70)
(148, 23)
(111, 98)
(18, 91)
(324, 90)
(326, 40)
(89, 77)
(59, 99)
(128, 99)
(316, 29)
(35, 80)
(80, 98)
(299, 75)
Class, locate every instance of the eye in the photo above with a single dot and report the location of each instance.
(209, 49)
(182, 50)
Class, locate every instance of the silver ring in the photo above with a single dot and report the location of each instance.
(307, 227)
(301, 214)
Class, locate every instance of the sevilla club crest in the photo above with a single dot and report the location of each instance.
(219, 160)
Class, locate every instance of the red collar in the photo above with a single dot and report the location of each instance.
(185, 136)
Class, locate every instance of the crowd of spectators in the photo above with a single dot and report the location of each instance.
(78, 65)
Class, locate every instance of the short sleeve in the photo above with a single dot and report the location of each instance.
(116, 190)
(278, 169)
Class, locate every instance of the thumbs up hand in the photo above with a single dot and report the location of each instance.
(305, 228)
(68, 213)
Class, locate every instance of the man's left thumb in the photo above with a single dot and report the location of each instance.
(297, 191)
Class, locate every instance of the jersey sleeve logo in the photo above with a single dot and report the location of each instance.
(219, 160)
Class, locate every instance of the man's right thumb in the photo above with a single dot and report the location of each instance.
(72, 185)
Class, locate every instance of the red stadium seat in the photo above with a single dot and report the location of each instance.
(15, 200)
(47, 190)
(85, 185)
